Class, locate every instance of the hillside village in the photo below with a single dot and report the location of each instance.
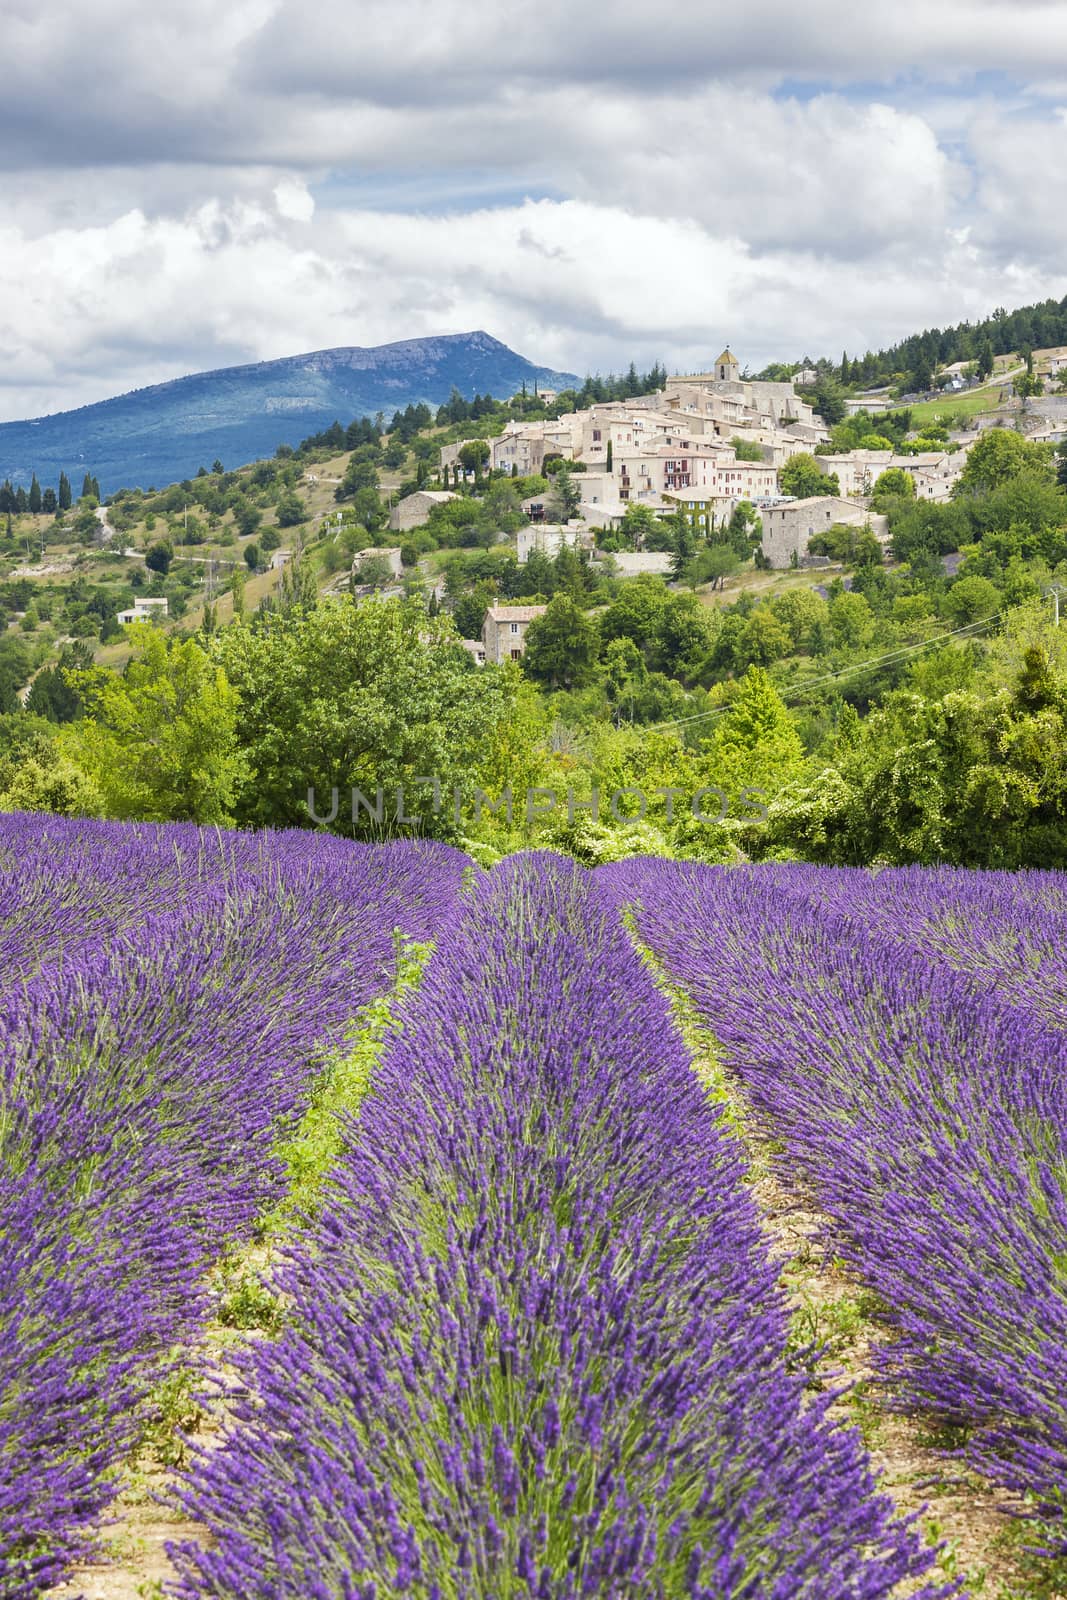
(717, 483)
(700, 448)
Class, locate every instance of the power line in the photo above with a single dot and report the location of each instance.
(801, 689)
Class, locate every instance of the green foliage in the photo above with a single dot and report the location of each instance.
(756, 745)
(317, 1143)
(174, 1411)
(52, 783)
(159, 556)
(160, 742)
(561, 646)
(895, 483)
(359, 696)
(566, 493)
(996, 457)
(291, 510)
(248, 1303)
(373, 571)
(802, 476)
(746, 449)
(970, 599)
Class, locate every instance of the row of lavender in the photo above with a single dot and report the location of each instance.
(905, 1036)
(165, 995)
(535, 1345)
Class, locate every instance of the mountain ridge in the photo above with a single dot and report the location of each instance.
(164, 432)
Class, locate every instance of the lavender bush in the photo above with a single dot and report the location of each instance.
(165, 996)
(535, 1345)
(896, 1034)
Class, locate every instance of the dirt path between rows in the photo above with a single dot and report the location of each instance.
(983, 1542)
(133, 1563)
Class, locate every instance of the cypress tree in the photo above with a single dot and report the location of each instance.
(64, 492)
(35, 496)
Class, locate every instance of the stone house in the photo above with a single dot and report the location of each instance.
(788, 527)
(389, 553)
(504, 631)
(414, 510)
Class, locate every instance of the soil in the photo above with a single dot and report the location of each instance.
(970, 1519)
(133, 1563)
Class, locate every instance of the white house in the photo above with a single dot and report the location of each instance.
(632, 563)
(144, 610)
(550, 537)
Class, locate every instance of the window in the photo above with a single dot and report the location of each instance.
(514, 627)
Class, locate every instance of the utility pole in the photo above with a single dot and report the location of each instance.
(1055, 590)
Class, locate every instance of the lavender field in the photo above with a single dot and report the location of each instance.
(532, 1336)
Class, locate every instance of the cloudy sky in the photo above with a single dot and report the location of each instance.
(203, 182)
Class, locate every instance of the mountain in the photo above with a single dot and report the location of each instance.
(237, 414)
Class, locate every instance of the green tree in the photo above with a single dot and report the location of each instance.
(252, 556)
(744, 529)
(368, 509)
(52, 783)
(764, 639)
(746, 449)
(851, 621)
(803, 477)
(921, 376)
(159, 742)
(159, 556)
(64, 496)
(373, 571)
(971, 599)
(35, 496)
(893, 484)
(248, 518)
(567, 494)
(468, 613)
(376, 695)
(291, 510)
(561, 646)
(639, 522)
(828, 399)
(756, 744)
(713, 564)
(998, 455)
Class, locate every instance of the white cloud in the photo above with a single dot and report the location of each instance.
(293, 200)
(711, 171)
(94, 310)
